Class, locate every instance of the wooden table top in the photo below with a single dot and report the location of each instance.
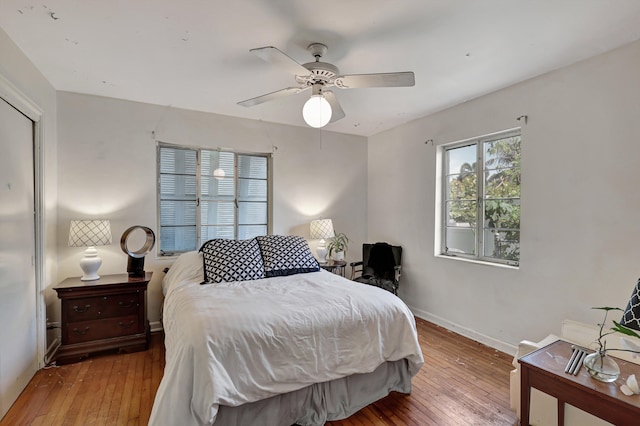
(105, 280)
(553, 359)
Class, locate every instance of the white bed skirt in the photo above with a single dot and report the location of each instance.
(322, 402)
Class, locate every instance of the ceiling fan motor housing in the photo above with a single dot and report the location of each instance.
(321, 72)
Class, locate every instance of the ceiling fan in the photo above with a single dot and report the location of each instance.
(323, 106)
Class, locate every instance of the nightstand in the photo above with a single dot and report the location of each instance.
(108, 313)
(335, 266)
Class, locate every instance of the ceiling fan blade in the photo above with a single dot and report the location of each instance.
(271, 96)
(336, 110)
(391, 79)
(280, 59)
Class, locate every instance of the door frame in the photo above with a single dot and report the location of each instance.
(16, 98)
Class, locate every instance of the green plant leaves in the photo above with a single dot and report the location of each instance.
(624, 330)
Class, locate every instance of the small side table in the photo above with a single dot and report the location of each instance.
(108, 313)
(544, 370)
(335, 266)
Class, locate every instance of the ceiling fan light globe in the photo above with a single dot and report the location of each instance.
(316, 111)
(218, 173)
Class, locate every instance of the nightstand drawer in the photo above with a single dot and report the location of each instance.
(89, 308)
(86, 331)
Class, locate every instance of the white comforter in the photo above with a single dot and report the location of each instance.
(239, 342)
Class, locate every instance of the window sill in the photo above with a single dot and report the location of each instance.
(478, 262)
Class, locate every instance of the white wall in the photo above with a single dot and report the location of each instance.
(107, 168)
(579, 227)
(580, 203)
(22, 74)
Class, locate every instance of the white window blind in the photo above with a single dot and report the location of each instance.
(206, 194)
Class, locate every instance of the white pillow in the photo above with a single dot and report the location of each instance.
(186, 268)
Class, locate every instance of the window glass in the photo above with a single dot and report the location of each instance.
(481, 198)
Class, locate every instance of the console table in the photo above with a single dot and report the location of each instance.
(543, 369)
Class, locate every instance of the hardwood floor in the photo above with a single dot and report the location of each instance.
(461, 383)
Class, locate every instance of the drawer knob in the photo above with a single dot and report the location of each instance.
(80, 309)
(83, 332)
(123, 325)
(127, 305)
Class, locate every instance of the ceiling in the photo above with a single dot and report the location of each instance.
(194, 54)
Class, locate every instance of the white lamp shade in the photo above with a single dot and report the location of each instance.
(321, 229)
(316, 111)
(87, 233)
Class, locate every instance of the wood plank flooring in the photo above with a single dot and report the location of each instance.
(462, 383)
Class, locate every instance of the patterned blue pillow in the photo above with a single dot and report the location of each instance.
(231, 260)
(286, 255)
(631, 316)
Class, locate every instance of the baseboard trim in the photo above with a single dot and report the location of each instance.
(466, 332)
(155, 326)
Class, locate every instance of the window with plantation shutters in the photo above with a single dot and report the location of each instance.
(206, 194)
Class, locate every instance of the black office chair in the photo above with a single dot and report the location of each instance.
(380, 266)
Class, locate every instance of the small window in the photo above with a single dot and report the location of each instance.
(481, 198)
(205, 194)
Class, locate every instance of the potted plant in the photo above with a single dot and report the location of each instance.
(338, 246)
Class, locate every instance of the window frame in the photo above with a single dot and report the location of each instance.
(479, 142)
(199, 196)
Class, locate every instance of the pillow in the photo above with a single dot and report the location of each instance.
(186, 268)
(631, 316)
(286, 255)
(231, 260)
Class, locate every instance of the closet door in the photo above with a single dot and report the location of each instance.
(18, 323)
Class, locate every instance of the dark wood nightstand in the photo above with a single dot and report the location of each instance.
(108, 313)
(335, 266)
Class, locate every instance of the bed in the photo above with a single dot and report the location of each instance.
(257, 333)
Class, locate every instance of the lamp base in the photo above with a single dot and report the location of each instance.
(322, 254)
(90, 264)
(90, 277)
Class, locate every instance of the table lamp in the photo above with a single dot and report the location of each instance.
(90, 233)
(321, 229)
